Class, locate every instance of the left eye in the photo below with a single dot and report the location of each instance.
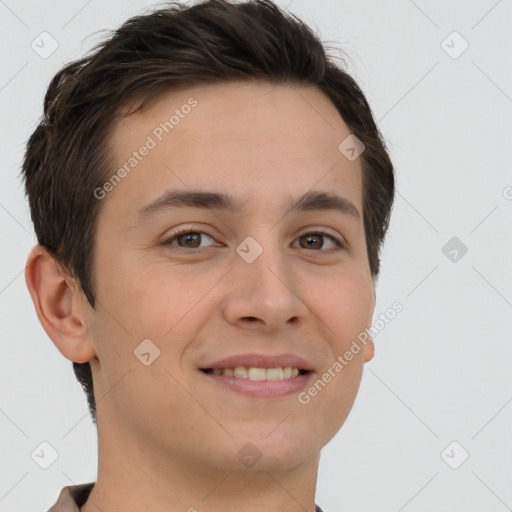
(192, 240)
(318, 236)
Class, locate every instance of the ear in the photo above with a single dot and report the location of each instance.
(369, 350)
(59, 306)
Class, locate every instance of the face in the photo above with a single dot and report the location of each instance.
(255, 277)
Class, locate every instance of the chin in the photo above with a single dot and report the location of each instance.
(275, 452)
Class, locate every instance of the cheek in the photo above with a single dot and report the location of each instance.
(150, 300)
(134, 304)
(344, 306)
(345, 303)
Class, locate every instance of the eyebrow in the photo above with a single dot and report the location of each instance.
(310, 201)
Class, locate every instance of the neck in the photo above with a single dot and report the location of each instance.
(135, 476)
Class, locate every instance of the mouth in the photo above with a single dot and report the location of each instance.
(259, 382)
(257, 374)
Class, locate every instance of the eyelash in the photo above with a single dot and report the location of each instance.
(339, 245)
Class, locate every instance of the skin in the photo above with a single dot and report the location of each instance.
(169, 438)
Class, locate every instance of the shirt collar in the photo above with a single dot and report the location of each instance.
(72, 497)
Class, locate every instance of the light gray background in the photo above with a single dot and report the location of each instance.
(442, 367)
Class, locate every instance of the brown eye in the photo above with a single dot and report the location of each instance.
(315, 241)
(187, 239)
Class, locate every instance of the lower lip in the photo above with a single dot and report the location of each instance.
(262, 388)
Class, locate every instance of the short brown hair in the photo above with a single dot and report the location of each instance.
(211, 42)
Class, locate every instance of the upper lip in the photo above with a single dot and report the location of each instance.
(261, 361)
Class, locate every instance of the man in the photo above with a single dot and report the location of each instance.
(210, 193)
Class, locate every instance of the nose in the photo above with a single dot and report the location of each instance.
(264, 294)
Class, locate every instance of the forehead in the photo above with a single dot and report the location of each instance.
(253, 139)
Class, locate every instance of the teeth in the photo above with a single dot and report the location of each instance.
(257, 374)
(274, 374)
(241, 372)
(251, 373)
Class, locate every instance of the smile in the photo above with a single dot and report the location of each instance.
(256, 374)
(260, 382)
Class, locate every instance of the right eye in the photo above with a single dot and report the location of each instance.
(187, 236)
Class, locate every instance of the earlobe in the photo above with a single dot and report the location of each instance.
(369, 350)
(57, 306)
